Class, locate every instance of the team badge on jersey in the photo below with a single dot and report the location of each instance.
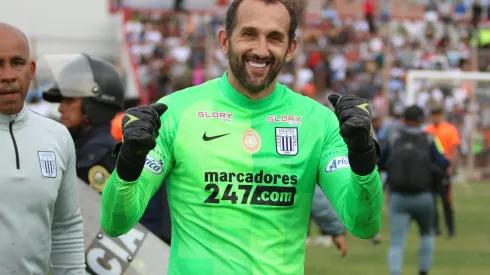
(97, 177)
(251, 141)
(47, 162)
(287, 141)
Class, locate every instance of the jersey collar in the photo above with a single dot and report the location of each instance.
(236, 97)
(19, 119)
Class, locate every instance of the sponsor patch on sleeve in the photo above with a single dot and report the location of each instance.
(153, 165)
(337, 163)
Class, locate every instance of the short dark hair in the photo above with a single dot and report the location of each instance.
(230, 22)
(414, 114)
(437, 109)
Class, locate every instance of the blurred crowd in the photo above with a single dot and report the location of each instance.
(368, 55)
(170, 50)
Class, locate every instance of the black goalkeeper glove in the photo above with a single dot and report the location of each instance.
(140, 126)
(354, 116)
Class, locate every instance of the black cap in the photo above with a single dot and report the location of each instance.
(52, 95)
(414, 113)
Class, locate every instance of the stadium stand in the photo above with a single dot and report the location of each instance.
(340, 52)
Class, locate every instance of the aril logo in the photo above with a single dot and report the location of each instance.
(153, 165)
(337, 163)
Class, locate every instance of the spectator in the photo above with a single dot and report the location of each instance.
(431, 11)
(460, 11)
(368, 8)
(445, 10)
(331, 227)
(329, 11)
(386, 6)
(476, 13)
(448, 135)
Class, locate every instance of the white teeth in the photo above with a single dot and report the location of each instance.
(257, 65)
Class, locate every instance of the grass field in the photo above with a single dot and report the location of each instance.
(468, 253)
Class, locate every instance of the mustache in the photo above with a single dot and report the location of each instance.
(8, 90)
(256, 58)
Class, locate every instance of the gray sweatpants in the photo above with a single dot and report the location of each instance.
(403, 208)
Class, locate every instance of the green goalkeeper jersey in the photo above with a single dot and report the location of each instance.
(240, 176)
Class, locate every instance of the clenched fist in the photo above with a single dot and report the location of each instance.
(140, 127)
(354, 115)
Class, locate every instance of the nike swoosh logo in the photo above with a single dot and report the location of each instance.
(206, 138)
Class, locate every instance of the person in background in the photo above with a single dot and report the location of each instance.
(368, 9)
(331, 227)
(329, 11)
(90, 92)
(116, 122)
(445, 9)
(116, 126)
(448, 135)
(460, 11)
(413, 160)
(476, 14)
(41, 223)
(431, 12)
(390, 124)
(386, 9)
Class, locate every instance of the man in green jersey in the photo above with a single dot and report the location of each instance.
(241, 156)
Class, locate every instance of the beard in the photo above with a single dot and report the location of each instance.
(238, 68)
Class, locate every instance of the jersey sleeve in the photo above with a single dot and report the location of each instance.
(123, 202)
(357, 199)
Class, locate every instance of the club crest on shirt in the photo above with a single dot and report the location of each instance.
(251, 141)
(287, 141)
(47, 163)
(97, 177)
